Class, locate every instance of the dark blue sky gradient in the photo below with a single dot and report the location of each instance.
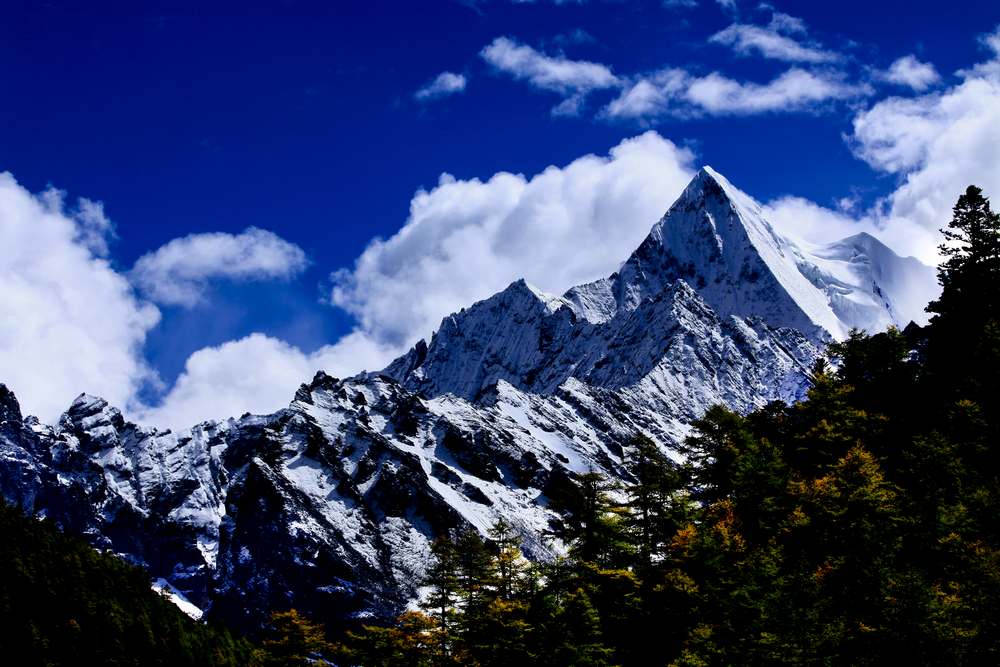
(299, 117)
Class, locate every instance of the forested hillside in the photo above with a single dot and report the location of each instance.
(64, 603)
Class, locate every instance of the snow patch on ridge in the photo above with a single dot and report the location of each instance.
(164, 588)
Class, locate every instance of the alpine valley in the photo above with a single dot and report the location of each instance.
(331, 504)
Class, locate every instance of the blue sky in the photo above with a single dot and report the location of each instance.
(307, 120)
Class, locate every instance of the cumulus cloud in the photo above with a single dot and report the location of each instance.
(68, 322)
(571, 78)
(93, 227)
(770, 42)
(676, 92)
(808, 222)
(178, 272)
(463, 241)
(444, 84)
(466, 239)
(910, 72)
(937, 144)
(256, 374)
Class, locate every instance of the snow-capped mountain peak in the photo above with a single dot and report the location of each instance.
(716, 238)
(715, 241)
(870, 286)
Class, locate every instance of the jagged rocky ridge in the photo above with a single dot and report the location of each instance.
(330, 504)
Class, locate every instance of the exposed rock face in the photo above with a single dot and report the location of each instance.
(330, 505)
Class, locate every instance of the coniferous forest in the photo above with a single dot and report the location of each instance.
(64, 603)
(859, 526)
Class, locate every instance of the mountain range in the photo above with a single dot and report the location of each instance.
(331, 504)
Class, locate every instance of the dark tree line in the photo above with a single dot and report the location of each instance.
(64, 603)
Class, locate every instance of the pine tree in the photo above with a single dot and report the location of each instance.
(294, 640)
(509, 564)
(970, 274)
(477, 587)
(719, 437)
(498, 635)
(963, 341)
(443, 580)
(594, 525)
(577, 638)
(654, 508)
(475, 569)
(411, 642)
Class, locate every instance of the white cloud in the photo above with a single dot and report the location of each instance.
(466, 239)
(785, 23)
(908, 71)
(546, 72)
(571, 106)
(804, 220)
(990, 69)
(94, 228)
(793, 90)
(675, 92)
(937, 144)
(650, 96)
(178, 272)
(257, 374)
(807, 221)
(571, 78)
(444, 84)
(769, 42)
(68, 322)
(463, 241)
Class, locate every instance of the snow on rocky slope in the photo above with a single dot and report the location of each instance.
(331, 504)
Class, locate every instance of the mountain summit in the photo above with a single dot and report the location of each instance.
(715, 242)
(716, 238)
(331, 505)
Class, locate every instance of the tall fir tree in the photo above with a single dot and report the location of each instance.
(442, 579)
(654, 509)
(970, 272)
(509, 564)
